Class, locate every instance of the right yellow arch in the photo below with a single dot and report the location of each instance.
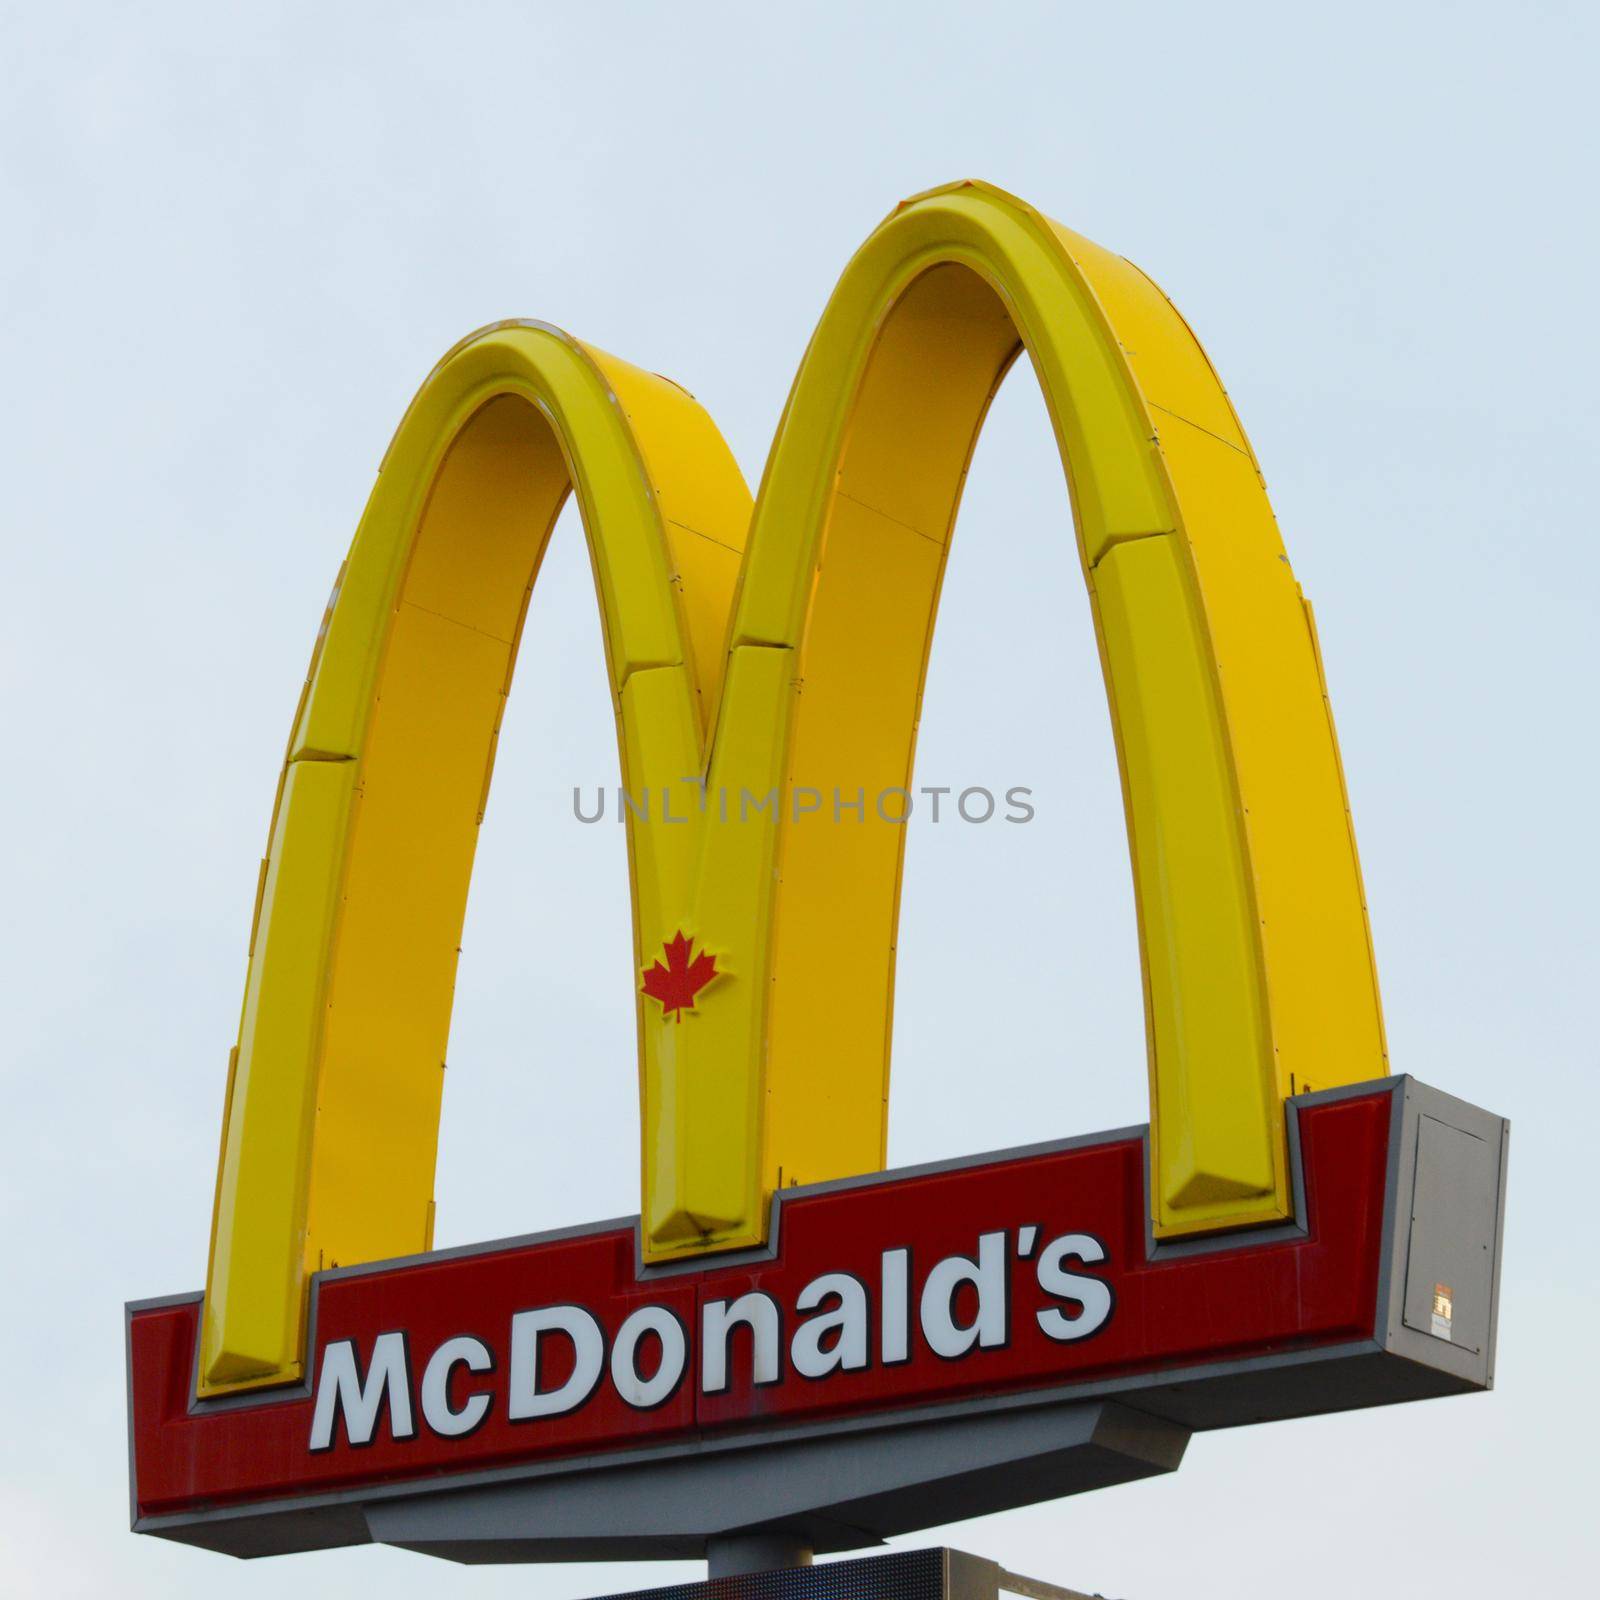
(1258, 970)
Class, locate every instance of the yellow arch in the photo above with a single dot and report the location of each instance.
(331, 1123)
(1258, 971)
(1259, 978)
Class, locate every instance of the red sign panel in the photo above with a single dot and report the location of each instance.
(1024, 1273)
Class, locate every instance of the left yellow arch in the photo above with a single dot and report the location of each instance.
(331, 1123)
(799, 666)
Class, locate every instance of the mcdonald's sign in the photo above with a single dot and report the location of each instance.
(1295, 1231)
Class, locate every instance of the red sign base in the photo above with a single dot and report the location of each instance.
(915, 1347)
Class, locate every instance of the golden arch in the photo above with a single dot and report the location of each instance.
(799, 660)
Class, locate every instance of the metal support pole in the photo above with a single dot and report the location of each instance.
(739, 1553)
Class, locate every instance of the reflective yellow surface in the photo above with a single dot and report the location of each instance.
(789, 669)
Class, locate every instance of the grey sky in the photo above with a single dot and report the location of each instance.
(238, 240)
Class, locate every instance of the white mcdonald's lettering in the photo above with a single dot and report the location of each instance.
(964, 1306)
(894, 1336)
(449, 1421)
(948, 1337)
(342, 1388)
(526, 1400)
(1093, 1294)
(758, 1312)
(642, 1393)
(837, 1339)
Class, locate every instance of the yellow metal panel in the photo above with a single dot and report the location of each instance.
(1215, 1110)
(707, 1188)
(1168, 364)
(489, 511)
(705, 572)
(1102, 425)
(691, 473)
(1316, 955)
(252, 1314)
(1368, 993)
(661, 739)
(557, 376)
(935, 364)
(861, 681)
(393, 978)
(703, 501)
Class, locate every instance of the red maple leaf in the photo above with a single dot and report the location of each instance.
(677, 983)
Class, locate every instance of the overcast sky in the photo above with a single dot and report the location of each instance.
(237, 240)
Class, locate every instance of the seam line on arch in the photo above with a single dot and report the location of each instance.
(645, 666)
(1114, 539)
(910, 527)
(709, 538)
(455, 622)
(1189, 421)
(741, 643)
